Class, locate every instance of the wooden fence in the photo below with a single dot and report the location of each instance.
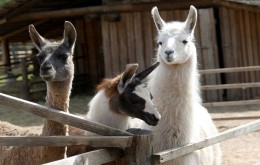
(237, 85)
(133, 146)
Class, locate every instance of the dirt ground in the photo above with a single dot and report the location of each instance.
(243, 150)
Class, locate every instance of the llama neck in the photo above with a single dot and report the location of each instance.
(175, 89)
(58, 98)
(58, 94)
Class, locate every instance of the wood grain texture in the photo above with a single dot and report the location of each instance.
(96, 157)
(95, 141)
(170, 154)
(59, 116)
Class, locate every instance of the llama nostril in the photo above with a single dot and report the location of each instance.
(168, 52)
(46, 67)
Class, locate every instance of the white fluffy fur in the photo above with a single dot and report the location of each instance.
(99, 111)
(175, 86)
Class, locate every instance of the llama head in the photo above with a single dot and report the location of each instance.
(132, 98)
(175, 39)
(55, 58)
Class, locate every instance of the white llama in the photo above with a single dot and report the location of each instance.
(175, 86)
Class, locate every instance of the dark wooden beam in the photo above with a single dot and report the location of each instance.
(17, 31)
(20, 9)
(236, 5)
(133, 7)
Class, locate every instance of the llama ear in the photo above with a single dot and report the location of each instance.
(37, 39)
(191, 20)
(69, 36)
(127, 76)
(142, 75)
(159, 22)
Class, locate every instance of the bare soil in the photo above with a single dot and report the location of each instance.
(243, 150)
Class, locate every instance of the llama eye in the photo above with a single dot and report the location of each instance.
(63, 56)
(151, 96)
(160, 43)
(185, 41)
(134, 99)
(40, 58)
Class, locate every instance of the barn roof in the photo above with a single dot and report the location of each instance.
(16, 15)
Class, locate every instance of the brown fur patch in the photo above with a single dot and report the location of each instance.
(109, 85)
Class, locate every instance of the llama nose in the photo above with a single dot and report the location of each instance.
(168, 52)
(46, 67)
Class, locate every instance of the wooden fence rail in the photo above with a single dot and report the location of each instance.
(93, 141)
(170, 154)
(61, 117)
(230, 70)
(96, 157)
(231, 86)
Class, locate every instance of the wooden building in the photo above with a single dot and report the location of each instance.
(112, 33)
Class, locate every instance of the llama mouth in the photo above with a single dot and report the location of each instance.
(151, 120)
(47, 77)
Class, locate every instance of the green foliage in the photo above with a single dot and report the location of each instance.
(3, 2)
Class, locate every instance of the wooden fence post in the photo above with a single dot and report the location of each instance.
(140, 151)
(26, 89)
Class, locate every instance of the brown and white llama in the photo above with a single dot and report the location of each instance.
(117, 100)
(57, 70)
(175, 85)
(123, 97)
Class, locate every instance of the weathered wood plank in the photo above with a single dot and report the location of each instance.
(170, 154)
(80, 65)
(96, 157)
(244, 49)
(59, 116)
(130, 38)
(232, 61)
(148, 38)
(258, 43)
(139, 42)
(208, 50)
(249, 54)
(122, 40)
(92, 40)
(230, 70)
(114, 56)
(255, 45)
(93, 141)
(139, 153)
(231, 86)
(106, 46)
(236, 118)
(231, 103)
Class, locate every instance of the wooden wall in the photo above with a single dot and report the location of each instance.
(240, 38)
(132, 39)
(88, 58)
(224, 38)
